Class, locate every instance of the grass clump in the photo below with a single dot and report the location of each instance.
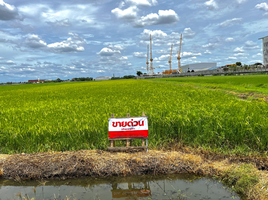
(241, 178)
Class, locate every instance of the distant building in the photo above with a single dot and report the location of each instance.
(198, 67)
(37, 81)
(265, 50)
(102, 78)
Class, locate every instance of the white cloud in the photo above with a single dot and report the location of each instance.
(116, 47)
(72, 44)
(231, 58)
(9, 62)
(8, 12)
(163, 17)
(108, 52)
(127, 14)
(80, 14)
(34, 41)
(156, 34)
(160, 38)
(207, 52)
(211, 5)
(123, 58)
(112, 56)
(262, 6)
(257, 55)
(188, 33)
(88, 35)
(163, 57)
(190, 54)
(240, 54)
(122, 4)
(230, 22)
(251, 45)
(64, 22)
(139, 55)
(241, 1)
(210, 45)
(229, 39)
(239, 50)
(142, 2)
(130, 14)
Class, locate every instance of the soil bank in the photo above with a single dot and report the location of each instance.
(73, 164)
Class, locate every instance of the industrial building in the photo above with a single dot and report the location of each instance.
(198, 67)
(37, 81)
(179, 69)
(102, 78)
(265, 50)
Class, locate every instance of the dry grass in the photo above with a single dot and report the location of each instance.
(2, 160)
(101, 163)
(250, 95)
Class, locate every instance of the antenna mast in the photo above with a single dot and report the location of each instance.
(179, 57)
(170, 70)
(147, 59)
(151, 55)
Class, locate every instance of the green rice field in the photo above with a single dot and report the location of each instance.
(246, 83)
(74, 116)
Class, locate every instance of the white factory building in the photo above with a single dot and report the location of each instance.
(198, 67)
(102, 78)
(265, 50)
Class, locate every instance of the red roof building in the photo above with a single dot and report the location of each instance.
(37, 80)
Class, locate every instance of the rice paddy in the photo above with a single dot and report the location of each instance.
(74, 116)
(246, 83)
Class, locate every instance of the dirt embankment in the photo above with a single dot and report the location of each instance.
(98, 163)
(101, 163)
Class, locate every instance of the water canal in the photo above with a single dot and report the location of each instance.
(175, 186)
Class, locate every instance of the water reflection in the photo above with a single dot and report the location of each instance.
(136, 187)
(133, 190)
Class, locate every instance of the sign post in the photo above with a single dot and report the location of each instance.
(128, 129)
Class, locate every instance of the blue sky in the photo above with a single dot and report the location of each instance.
(91, 38)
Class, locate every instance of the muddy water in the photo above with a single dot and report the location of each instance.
(135, 187)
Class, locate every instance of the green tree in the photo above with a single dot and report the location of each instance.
(58, 80)
(128, 76)
(139, 73)
(238, 64)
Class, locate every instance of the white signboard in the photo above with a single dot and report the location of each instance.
(128, 127)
